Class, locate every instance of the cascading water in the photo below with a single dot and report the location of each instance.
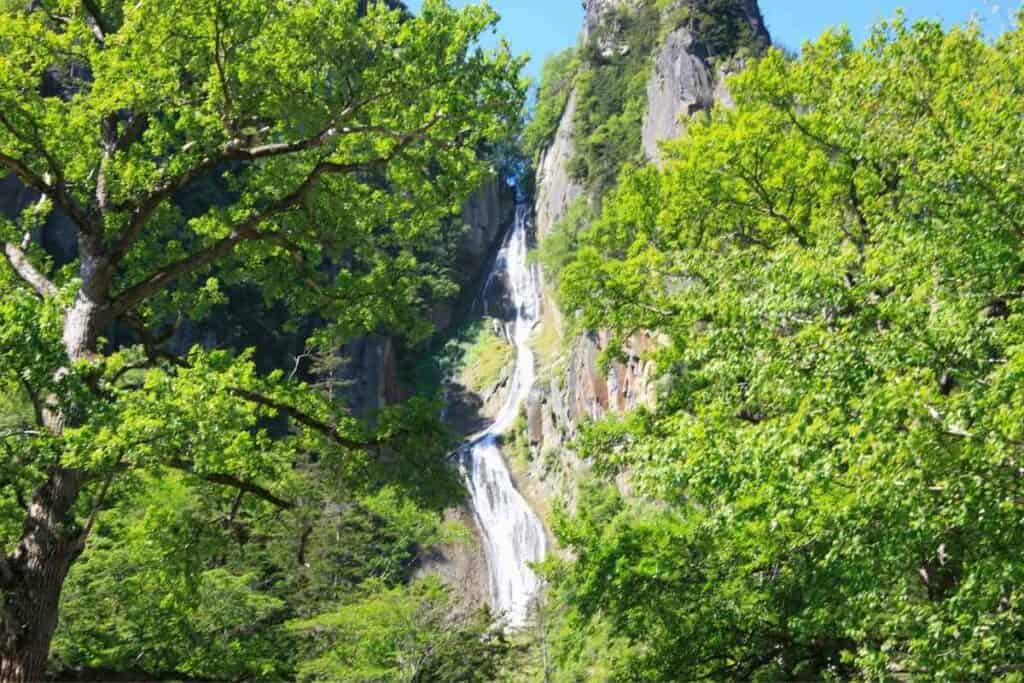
(513, 533)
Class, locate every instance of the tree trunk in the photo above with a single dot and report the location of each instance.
(34, 576)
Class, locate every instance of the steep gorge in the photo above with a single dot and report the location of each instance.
(683, 74)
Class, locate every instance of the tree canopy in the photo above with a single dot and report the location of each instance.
(307, 154)
(829, 485)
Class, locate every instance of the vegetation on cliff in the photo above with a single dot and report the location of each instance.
(553, 93)
(611, 92)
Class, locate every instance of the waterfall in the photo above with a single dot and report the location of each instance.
(513, 533)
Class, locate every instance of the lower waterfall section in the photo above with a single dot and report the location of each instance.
(513, 534)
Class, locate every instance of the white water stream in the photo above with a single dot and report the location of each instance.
(513, 533)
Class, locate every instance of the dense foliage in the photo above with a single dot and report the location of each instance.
(833, 465)
(199, 155)
(829, 486)
(723, 26)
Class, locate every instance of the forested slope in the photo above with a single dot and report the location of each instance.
(205, 201)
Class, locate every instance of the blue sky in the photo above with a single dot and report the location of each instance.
(540, 27)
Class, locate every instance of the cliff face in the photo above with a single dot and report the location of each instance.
(370, 371)
(687, 76)
(681, 84)
(556, 189)
(372, 363)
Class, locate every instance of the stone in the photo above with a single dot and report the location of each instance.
(556, 189)
(681, 84)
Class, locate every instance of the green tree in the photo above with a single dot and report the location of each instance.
(409, 634)
(186, 579)
(341, 134)
(835, 266)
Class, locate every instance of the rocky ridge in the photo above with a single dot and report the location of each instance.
(686, 77)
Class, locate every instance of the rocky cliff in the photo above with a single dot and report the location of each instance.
(371, 371)
(370, 368)
(687, 75)
(556, 188)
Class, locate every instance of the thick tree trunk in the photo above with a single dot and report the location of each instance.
(34, 575)
(32, 578)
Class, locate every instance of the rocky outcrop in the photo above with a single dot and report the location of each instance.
(577, 391)
(595, 11)
(556, 189)
(682, 83)
(687, 78)
(371, 368)
(460, 564)
(369, 375)
(486, 215)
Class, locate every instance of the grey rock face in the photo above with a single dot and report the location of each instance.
(582, 391)
(595, 10)
(684, 81)
(461, 566)
(59, 234)
(556, 189)
(371, 374)
(372, 363)
(681, 84)
(486, 214)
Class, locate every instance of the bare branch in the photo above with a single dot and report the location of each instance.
(298, 363)
(234, 150)
(132, 132)
(100, 26)
(56, 191)
(306, 419)
(28, 272)
(84, 535)
(33, 397)
(233, 482)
